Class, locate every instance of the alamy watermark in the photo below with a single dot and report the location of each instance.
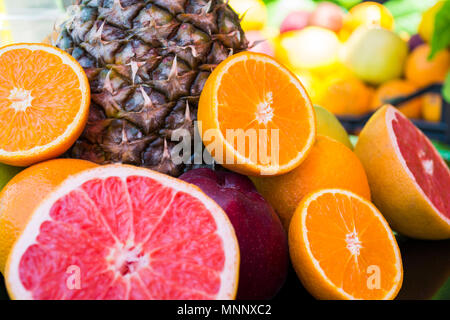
(260, 146)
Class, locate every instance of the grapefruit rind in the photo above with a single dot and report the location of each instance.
(395, 191)
(230, 273)
(72, 132)
(311, 273)
(244, 165)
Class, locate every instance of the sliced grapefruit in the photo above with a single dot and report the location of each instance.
(24, 193)
(121, 232)
(409, 180)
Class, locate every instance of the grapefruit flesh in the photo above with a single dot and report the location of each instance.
(409, 181)
(119, 232)
(424, 163)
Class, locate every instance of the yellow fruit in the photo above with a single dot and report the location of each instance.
(253, 11)
(369, 14)
(25, 191)
(432, 107)
(328, 125)
(422, 71)
(330, 164)
(426, 26)
(311, 82)
(312, 48)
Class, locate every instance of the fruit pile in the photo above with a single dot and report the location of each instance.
(119, 200)
(351, 62)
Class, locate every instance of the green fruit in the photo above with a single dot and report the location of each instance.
(7, 173)
(375, 55)
(328, 125)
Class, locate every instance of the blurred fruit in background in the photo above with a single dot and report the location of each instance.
(313, 48)
(327, 15)
(346, 96)
(426, 27)
(260, 41)
(432, 107)
(28, 20)
(422, 71)
(415, 41)
(397, 88)
(328, 125)
(296, 20)
(253, 12)
(279, 9)
(312, 83)
(369, 14)
(375, 55)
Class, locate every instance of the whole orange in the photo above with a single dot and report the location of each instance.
(397, 88)
(424, 72)
(346, 96)
(330, 164)
(25, 191)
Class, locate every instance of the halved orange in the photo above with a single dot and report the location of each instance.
(342, 248)
(255, 116)
(44, 102)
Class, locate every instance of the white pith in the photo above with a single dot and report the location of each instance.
(28, 237)
(241, 159)
(20, 98)
(354, 245)
(68, 60)
(316, 263)
(264, 110)
(428, 167)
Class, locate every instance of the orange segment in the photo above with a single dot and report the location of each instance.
(342, 248)
(259, 114)
(44, 102)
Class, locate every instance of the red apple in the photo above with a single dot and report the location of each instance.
(262, 239)
(296, 20)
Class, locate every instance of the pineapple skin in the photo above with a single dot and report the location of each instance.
(147, 62)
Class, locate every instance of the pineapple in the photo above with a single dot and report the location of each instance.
(147, 62)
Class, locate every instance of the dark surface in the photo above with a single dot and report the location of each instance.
(426, 274)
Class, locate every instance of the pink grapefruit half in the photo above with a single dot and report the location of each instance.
(409, 180)
(122, 232)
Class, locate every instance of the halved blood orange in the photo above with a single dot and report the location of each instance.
(44, 102)
(255, 117)
(342, 248)
(409, 180)
(122, 232)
